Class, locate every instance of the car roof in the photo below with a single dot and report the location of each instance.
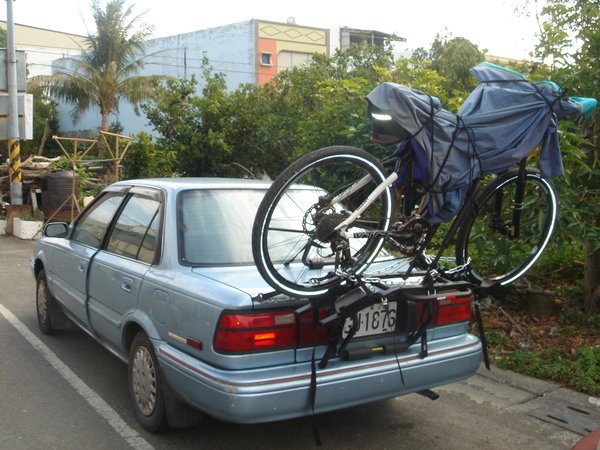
(177, 184)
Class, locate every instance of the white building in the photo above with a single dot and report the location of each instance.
(43, 46)
(252, 51)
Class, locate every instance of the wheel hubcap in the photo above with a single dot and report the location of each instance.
(42, 302)
(144, 381)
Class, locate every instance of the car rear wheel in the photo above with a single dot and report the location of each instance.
(145, 385)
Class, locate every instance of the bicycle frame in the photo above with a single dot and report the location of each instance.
(389, 181)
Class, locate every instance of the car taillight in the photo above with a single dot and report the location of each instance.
(248, 332)
(452, 308)
(309, 333)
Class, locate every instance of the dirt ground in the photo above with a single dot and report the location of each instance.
(539, 332)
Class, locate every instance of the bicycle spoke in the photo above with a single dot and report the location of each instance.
(498, 254)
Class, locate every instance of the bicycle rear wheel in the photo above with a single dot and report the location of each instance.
(296, 246)
(498, 255)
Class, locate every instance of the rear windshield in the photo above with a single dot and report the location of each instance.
(215, 226)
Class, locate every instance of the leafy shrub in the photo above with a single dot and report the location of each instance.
(145, 160)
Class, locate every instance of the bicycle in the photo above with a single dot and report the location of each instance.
(352, 232)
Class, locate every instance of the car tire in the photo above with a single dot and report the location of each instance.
(46, 307)
(145, 385)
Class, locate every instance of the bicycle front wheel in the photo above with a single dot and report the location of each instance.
(503, 246)
(300, 243)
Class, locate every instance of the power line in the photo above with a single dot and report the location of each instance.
(187, 58)
(212, 70)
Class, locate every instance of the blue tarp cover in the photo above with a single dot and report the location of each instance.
(500, 123)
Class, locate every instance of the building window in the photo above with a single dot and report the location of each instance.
(265, 59)
(287, 60)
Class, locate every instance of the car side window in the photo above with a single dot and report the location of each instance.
(136, 231)
(91, 227)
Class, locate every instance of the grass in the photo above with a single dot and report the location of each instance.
(579, 371)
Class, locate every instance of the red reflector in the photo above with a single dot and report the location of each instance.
(265, 338)
(194, 343)
(453, 309)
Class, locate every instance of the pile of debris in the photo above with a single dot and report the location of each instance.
(32, 171)
(45, 192)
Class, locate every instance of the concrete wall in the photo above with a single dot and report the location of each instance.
(233, 50)
(229, 49)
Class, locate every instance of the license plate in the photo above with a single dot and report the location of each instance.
(376, 319)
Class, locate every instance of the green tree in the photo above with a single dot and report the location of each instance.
(575, 67)
(324, 103)
(262, 129)
(452, 58)
(416, 72)
(106, 71)
(145, 160)
(3, 42)
(193, 127)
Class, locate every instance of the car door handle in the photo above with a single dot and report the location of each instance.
(126, 284)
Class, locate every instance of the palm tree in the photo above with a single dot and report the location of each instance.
(106, 70)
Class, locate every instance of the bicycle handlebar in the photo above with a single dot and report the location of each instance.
(587, 105)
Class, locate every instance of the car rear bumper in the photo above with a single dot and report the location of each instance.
(277, 393)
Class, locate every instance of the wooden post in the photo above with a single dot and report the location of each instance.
(116, 154)
(74, 157)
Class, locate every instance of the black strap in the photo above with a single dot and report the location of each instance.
(330, 352)
(350, 335)
(421, 332)
(264, 297)
(313, 396)
(484, 347)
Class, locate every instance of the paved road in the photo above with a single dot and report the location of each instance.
(66, 392)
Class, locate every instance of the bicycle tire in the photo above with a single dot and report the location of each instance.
(495, 257)
(293, 232)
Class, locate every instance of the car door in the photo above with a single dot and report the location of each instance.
(67, 271)
(117, 271)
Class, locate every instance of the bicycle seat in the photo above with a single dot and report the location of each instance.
(384, 130)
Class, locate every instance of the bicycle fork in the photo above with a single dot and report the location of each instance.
(497, 222)
(518, 201)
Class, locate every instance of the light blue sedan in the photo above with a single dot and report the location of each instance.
(160, 272)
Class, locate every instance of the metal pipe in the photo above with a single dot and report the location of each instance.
(14, 149)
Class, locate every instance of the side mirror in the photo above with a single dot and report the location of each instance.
(56, 229)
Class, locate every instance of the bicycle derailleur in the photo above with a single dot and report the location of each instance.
(320, 223)
(409, 234)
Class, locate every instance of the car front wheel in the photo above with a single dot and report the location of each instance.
(145, 385)
(45, 305)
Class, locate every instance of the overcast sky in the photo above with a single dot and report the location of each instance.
(490, 24)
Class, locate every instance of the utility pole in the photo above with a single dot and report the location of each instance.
(14, 149)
